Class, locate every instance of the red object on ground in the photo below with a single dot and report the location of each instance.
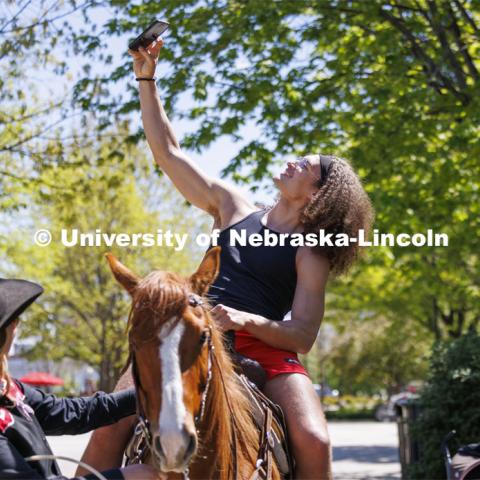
(41, 379)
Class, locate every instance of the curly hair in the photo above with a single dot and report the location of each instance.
(341, 205)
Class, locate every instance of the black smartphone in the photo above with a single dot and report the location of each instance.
(151, 33)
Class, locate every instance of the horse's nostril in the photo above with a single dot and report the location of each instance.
(192, 445)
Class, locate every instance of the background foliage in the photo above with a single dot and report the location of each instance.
(449, 402)
(83, 313)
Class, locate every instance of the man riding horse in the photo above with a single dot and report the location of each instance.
(256, 287)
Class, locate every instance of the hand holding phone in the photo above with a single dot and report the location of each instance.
(145, 60)
(149, 35)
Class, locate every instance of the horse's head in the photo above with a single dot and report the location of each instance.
(170, 346)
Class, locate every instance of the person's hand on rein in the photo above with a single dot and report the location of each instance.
(228, 318)
(145, 60)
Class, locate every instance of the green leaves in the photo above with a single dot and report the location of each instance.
(449, 402)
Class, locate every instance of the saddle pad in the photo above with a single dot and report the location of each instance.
(259, 403)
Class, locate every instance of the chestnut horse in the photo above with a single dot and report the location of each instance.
(195, 416)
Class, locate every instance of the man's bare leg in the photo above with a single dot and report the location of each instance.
(107, 444)
(306, 425)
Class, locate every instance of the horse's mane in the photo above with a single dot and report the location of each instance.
(220, 416)
(166, 292)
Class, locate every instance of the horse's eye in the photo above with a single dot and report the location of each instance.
(203, 338)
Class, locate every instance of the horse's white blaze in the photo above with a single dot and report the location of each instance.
(172, 411)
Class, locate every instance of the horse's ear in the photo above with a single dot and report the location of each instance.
(207, 272)
(122, 274)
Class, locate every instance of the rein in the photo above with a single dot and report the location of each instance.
(143, 423)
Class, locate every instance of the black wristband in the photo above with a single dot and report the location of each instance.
(146, 79)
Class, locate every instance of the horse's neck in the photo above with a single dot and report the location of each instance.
(218, 432)
(241, 436)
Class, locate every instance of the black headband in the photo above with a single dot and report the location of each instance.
(325, 164)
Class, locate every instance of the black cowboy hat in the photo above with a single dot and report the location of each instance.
(15, 297)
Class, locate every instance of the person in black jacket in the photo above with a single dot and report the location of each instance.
(27, 414)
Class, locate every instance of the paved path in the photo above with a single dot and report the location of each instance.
(365, 450)
(71, 446)
(361, 450)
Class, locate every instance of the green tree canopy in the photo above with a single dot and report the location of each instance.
(369, 355)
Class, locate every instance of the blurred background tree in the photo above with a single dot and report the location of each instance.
(377, 354)
(36, 111)
(83, 313)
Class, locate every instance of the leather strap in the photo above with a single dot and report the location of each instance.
(280, 450)
(268, 443)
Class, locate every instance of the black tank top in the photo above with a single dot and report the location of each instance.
(255, 279)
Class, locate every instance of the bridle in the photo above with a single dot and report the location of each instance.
(143, 423)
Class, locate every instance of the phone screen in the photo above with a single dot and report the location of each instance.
(152, 32)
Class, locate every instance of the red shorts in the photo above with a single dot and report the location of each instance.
(273, 360)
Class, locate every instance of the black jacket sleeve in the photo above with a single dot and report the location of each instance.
(71, 416)
(14, 467)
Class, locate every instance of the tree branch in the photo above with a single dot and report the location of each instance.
(49, 20)
(15, 177)
(462, 47)
(4, 118)
(408, 7)
(467, 17)
(437, 27)
(86, 320)
(10, 148)
(8, 22)
(429, 65)
(28, 180)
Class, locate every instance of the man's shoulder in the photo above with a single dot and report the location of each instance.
(306, 255)
(312, 266)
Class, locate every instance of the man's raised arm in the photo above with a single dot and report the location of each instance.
(212, 195)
